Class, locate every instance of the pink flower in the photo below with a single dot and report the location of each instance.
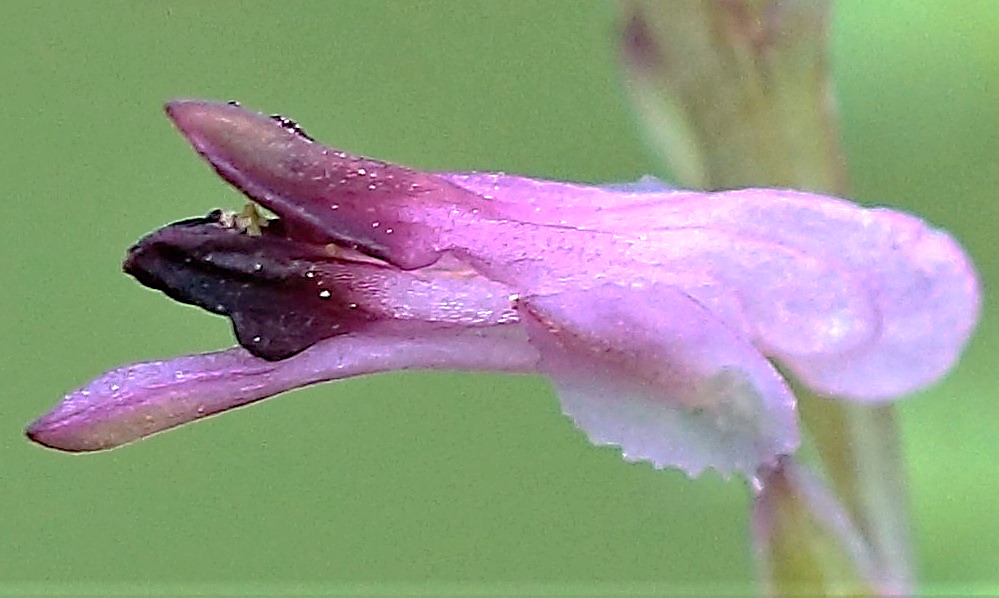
(655, 312)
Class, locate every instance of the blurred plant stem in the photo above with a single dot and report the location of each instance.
(738, 93)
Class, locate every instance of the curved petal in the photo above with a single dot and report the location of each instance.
(922, 285)
(135, 401)
(650, 370)
(386, 210)
(867, 304)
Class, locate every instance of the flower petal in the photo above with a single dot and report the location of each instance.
(876, 304)
(141, 399)
(653, 372)
(321, 193)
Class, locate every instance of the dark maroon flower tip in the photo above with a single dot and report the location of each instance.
(281, 294)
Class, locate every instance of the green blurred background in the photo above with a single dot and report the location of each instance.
(419, 480)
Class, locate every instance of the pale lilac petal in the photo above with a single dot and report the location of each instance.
(651, 371)
(922, 286)
(137, 400)
(552, 202)
(868, 304)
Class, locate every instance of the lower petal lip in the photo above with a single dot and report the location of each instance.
(138, 400)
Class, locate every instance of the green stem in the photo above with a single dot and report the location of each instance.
(860, 451)
(737, 93)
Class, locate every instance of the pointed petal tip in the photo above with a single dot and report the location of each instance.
(181, 108)
(179, 104)
(48, 432)
(35, 432)
(222, 130)
(186, 113)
